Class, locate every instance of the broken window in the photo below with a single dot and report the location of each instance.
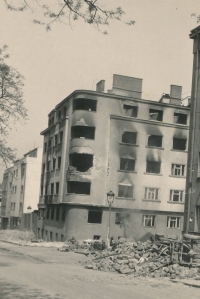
(85, 104)
(83, 132)
(179, 144)
(94, 216)
(129, 137)
(127, 164)
(151, 193)
(173, 222)
(178, 169)
(155, 140)
(122, 218)
(125, 191)
(180, 118)
(96, 237)
(153, 167)
(130, 111)
(176, 195)
(149, 220)
(155, 114)
(82, 162)
(79, 187)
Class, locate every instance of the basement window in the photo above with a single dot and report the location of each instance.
(151, 193)
(82, 162)
(149, 220)
(130, 111)
(129, 137)
(180, 118)
(153, 167)
(155, 141)
(85, 104)
(96, 237)
(122, 218)
(83, 132)
(179, 144)
(94, 216)
(176, 195)
(127, 164)
(125, 191)
(155, 114)
(178, 170)
(79, 187)
(173, 222)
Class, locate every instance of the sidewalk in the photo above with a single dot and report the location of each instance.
(188, 282)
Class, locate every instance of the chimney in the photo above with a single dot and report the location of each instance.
(127, 86)
(100, 86)
(175, 94)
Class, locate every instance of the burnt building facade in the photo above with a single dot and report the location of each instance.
(96, 142)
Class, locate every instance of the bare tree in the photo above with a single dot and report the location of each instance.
(11, 103)
(70, 10)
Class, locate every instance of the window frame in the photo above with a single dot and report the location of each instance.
(175, 168)
(148, 161)
(123, 137)
(174, 193)
(148, 192)
(131, 187)
(176, 221)
(148, 217)
(122, 161)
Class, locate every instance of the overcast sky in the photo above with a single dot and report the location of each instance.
(157, 49)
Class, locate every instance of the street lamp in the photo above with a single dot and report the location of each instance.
(110, 199)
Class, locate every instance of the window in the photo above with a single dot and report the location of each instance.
(52, 120)
(48, 166)
(149, 220)
(85, 104)
(45, 147)
(65, 111)
(61, 136)
(96, 237)
(155, 114)
(59, 114)
(43, 168)
(51, 236)
(57, 213)
(176, 195)
(52, 188)
(49, 143)
(82, 162)
(122, 218)
(56, 139)
(59, 162)
(178, 170)
(173, 222)
(20, 206)
(151, 193)
(79, 187)
(125, 191)
(46, 189)
(153, 167)
(180, 118)
(54, 163)
(48, 213)
(179, 144)
(15, 189)
(63, 214)
(23, 172)
(62, 238)
(130, 111)
(22, 189)
(83, 132)
(94, 216)
(57, 188)
(129, 137)
(127, 164)
(155, 141)
(52, 213)
(14, 206)
(16, 173)
(41, 189)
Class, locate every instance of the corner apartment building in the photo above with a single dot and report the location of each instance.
(96, 142)
(21, 187)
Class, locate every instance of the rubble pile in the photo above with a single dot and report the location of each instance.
(85, 246)
(149, 259)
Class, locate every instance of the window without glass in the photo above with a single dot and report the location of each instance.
(45, 147)
(57, 188)
(179, 144)
(130, 111)
(149, 220)
(52, 188)
(54, 163)
(180, 118)
(155, 140)
(153, 167)
(173, 222)
(56, 139)
(178, 170)
(49, 143)
(46, 189)
(125, 191)
(151, 193)
(122, 218)
(59, 162)
(61, 136)
(176, 195)
(94, 216)
(79, 187)
(82, 162)
(83, 132)
(155, 114)
(129, 137)
(59, 114)
(48, 166)
(127, 164)
(85, 104)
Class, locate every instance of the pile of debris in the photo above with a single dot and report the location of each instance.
(156, 259)
(85, 247)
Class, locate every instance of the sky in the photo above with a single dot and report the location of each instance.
(55, 63)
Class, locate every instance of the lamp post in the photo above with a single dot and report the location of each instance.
(110, 199)
(29, 209)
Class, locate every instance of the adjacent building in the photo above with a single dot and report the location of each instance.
(96, 142)
(20, 189)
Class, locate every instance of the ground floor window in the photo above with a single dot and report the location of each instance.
(173, 222)
(149, 220)
(125, 191)
(122, 218)
(95, 216)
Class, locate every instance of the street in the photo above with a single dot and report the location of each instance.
(36, 272)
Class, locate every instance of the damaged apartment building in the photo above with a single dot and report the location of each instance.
(96, 142)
